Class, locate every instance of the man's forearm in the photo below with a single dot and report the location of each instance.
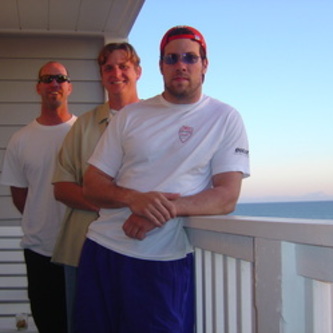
(19, 196)
(101, 190)
(209, 202)
(71, 195)
(219, 200)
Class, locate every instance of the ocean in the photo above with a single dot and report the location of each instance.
(299, 209)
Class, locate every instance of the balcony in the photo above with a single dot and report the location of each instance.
(253, 275)
(260, 275)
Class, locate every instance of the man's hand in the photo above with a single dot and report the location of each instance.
(137, 227)
(157, 207)
(100, 189)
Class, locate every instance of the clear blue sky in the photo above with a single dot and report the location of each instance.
(273, 61)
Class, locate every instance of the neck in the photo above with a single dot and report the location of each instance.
(117, 102)
(181, 98)
(54, 117)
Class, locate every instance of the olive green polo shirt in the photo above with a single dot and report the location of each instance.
(71, 164)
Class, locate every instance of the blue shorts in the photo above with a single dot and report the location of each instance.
(120, 294)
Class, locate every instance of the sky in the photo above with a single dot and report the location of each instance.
(273, 61)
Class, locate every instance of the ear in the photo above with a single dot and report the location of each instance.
(70, 88)
(38, 88)
(138, 72)
(204, 66)
(161, 66)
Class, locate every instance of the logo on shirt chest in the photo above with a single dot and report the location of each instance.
(185, 132)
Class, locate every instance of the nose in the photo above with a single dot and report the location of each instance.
(54, 82)
(180, 66)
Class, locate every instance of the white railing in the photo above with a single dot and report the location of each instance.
(253, 275)
(263, 275)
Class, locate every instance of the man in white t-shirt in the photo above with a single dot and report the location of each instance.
(28, 169)
(177, 154)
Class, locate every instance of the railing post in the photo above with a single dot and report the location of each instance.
(268, 288)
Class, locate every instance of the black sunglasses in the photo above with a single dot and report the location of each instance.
(186, 58)
(59, 78)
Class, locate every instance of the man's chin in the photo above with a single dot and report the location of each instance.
(177, 92)
(179, 95)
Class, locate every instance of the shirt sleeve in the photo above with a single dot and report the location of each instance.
(65, 162)
(233, 151)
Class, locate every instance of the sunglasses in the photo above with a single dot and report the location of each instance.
(186, 58)
(59, 78)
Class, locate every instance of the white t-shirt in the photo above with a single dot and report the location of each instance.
(29, 163)
(155, 145)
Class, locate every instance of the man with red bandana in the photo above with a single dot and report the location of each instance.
(28, 169)
(177, 154)
(120, 70)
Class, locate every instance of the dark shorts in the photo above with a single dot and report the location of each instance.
(120, 294)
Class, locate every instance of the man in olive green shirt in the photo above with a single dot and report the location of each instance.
(120, 70)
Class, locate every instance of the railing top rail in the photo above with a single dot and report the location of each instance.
(314, 232)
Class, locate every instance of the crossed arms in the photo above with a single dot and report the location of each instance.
(153, 209)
